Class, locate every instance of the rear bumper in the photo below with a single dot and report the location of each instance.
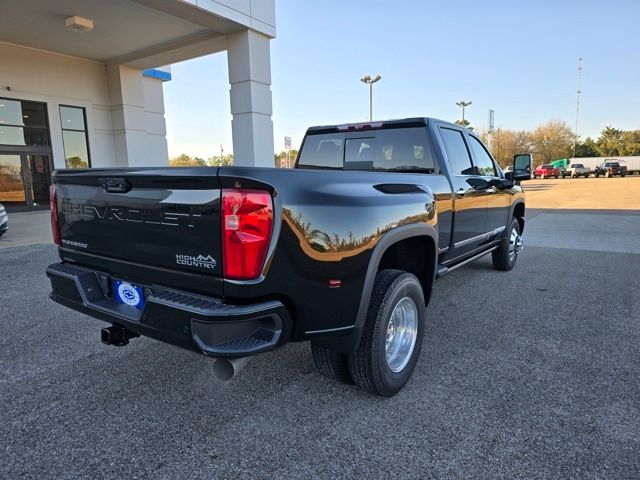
(194, 322)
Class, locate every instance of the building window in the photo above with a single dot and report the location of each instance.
(74, 137)
(23, 123)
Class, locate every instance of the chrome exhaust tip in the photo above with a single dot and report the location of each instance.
(224, 369)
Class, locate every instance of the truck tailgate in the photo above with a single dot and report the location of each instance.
(162, 217)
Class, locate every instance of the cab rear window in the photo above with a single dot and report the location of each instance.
(398, 149)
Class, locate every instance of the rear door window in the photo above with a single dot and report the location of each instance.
(457, 153)
(484, 164)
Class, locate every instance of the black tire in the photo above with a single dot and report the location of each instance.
(368, 365)
(331, 364)
(502, 260)
(623, 176)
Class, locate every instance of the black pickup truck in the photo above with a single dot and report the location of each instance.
(342, 251)
(610, 169)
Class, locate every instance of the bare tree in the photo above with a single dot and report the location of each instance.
(552, 141)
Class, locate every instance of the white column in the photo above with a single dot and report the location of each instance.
(248, 54)
(132, 146)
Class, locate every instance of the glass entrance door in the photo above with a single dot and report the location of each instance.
(39, 176)
(25, 179)
(12, 181)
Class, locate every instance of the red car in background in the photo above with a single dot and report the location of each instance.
(546, 171)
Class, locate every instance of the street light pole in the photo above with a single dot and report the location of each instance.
(463, 104)
(578, 92)
(370, 81)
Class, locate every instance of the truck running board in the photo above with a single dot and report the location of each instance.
(442, 270)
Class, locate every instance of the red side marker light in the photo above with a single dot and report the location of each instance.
(335, 283)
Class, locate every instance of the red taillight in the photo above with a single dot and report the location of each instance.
(247, 223)
(55, 226)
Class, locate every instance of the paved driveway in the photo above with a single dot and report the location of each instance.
(29, 228)
(528, 374)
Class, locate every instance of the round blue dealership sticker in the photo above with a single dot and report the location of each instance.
(129, 294)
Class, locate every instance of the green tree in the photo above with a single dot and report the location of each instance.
(223, 161)
(281, 158)
(630, 143)
(464, 123)
(609, 142)
(76, 162)
(588, 148)
(185, 160)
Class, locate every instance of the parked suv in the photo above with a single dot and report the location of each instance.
(546, 171)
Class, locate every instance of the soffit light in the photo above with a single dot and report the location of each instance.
(80, 24)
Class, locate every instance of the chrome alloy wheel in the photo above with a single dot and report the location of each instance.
(515, 244)
(402, 331)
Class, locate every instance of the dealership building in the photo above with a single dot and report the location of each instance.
(81, 83)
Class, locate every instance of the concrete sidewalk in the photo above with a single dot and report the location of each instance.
(28, 228)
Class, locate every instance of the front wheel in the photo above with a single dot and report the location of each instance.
(392, 335)
(505, 256)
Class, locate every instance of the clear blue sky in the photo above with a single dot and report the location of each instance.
(517, 57)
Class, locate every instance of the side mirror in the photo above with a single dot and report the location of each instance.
(502, 183)
(521, 167)
(478, 183)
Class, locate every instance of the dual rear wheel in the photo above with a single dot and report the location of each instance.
(393, 331)
(391, 339)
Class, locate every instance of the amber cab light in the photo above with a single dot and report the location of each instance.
(55, 226)
(247, 224)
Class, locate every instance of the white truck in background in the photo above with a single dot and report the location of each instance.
(575, 170)
(631, 162)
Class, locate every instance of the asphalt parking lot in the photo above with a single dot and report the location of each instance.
(532, 373)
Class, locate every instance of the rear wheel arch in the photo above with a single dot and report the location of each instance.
(416, 255)
(391, 246)
(517, 211)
